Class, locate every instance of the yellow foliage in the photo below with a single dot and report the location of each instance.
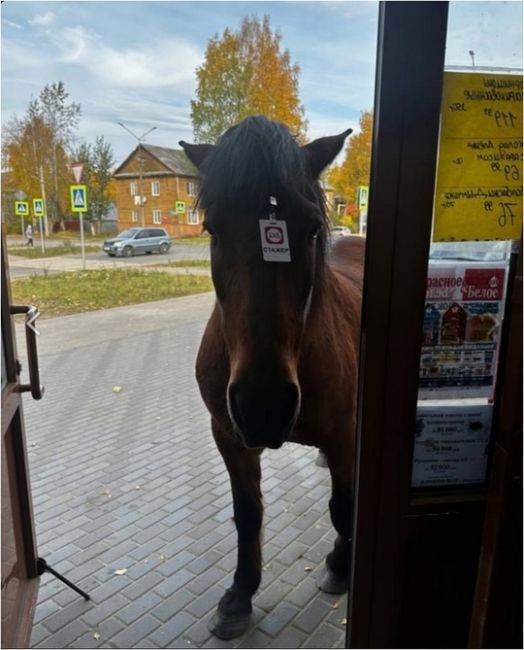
(246, 73)
(34, 159)
(355, 169)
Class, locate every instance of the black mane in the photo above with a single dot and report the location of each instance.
(254, 160)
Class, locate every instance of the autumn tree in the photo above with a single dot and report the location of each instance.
(35, 149)
(355, 168)
(246, 73)
(98, 162)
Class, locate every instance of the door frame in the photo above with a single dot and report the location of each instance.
(20, 586)
(387, 590)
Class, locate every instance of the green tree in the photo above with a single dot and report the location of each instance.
(355, 168)
(246, 73)
(98, 161)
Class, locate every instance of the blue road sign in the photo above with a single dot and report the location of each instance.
(78, 198)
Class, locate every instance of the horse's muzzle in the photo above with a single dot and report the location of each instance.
(263, 416)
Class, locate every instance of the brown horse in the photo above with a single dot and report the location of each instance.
(279, 357)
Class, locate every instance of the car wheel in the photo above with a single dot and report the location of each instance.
(111, 254)
(127, 251)
(164, 248)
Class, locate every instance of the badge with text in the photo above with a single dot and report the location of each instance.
(275, 242)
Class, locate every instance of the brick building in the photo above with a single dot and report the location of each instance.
(158, 186)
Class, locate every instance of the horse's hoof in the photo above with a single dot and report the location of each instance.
(329, 583)
(230, 626)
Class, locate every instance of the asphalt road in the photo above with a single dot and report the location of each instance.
(20, 267)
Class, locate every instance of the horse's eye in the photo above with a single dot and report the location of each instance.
(315, 231)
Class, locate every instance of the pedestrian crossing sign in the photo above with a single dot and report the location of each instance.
(38, 207)
(78, 198)
(21, 208)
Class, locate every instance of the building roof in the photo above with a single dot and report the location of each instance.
(175, 160)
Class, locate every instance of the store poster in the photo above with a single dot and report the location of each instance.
(461, 333)
(451, 443)
(478, 192)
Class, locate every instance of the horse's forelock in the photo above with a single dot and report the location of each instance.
(254, 160)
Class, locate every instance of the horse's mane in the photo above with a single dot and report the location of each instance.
(254, 160)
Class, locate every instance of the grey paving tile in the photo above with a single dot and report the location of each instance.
(174, 534)
(169, 631)
(135, 632)
(290, 637)
(278, 618)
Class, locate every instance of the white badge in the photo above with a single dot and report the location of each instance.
(275, 242)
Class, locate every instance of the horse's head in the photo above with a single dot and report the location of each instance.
(266, 218)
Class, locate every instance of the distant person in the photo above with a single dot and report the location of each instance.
(29, 235)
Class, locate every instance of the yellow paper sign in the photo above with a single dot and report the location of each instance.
(478, 192)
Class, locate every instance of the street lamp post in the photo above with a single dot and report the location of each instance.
(140, 139)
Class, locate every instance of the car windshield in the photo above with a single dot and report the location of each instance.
(127, 234)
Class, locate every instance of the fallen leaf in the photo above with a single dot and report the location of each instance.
(120, 572)
(308, 568)
(106, 493)
(117, 389)
(96, 636)
(335, 605)
(344, 621)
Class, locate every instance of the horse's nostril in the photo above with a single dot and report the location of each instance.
(235, 406)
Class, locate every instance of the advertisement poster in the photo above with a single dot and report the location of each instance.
(451, 443)
(461, 332)
(479, 175)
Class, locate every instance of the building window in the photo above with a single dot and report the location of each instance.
(157, 216)
(134, 216)
(134, 189)
(155, 188)
(192, 216)
(192, 189)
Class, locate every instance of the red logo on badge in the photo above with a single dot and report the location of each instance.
(274, 235)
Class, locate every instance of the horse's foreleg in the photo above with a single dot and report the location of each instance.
(338, 562)
(243, 465)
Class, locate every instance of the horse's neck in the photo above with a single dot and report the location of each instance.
(336, 300)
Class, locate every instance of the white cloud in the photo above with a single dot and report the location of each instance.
(10, 23)
(45, 20)
(168, 62)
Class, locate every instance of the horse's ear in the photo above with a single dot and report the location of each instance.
(196, 153)
(323, 151)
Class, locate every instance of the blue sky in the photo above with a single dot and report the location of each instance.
(135, 62)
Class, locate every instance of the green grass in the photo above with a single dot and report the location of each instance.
(185, 263)
(81, 291)
(201, 239)
(51, 251)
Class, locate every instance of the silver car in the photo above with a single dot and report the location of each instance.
(138, 240)
(340, 231)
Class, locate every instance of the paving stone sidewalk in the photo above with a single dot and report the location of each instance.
(132, 501)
